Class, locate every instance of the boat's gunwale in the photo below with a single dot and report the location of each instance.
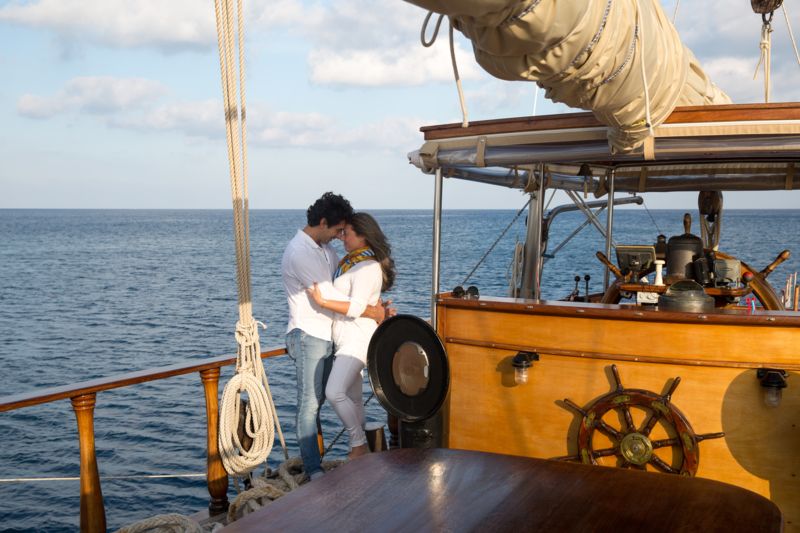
(51, 394)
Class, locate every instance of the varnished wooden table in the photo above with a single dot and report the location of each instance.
(452, 490)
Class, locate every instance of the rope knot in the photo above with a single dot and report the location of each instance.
(247, 332)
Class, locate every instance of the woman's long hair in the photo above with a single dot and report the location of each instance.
(366, 226)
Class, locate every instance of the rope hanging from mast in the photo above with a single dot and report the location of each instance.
(427, 44)
(260, 415)
(766, 52)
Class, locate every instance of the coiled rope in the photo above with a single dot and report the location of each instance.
(261, 417)
(165, 523)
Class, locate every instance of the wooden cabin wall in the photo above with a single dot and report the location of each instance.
(718, 392)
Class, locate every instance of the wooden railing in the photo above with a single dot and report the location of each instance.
(83, 396)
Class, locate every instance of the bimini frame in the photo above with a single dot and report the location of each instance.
(722, 148)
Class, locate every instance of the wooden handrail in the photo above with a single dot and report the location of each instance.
(17, 401)
(83, 397)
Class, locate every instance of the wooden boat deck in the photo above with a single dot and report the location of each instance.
(456, 490)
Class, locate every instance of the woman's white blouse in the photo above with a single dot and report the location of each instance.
(362, 285)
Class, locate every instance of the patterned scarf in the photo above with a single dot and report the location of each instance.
(352, 258)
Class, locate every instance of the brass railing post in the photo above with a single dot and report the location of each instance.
(93, 514)
(216, 477)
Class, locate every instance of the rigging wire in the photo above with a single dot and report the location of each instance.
(791, 34)
(104, 478)
(482, 259)
(552, 195)
(644, 204)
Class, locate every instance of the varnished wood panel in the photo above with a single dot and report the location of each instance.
(454, 490)
(487, 411)
(681, 115)
(756, 345)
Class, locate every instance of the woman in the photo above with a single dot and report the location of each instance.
(366, 271)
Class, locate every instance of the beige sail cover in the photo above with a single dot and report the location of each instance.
(589, 54)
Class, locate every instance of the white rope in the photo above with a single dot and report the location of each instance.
(644, 70)
(259, 416)
(164, 523)
(791, 34)
(250, 379)
(461, 101)
(766, 56)
(429, 43)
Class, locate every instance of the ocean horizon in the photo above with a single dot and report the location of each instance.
(92, 293)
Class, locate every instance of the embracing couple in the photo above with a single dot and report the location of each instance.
(334, 308)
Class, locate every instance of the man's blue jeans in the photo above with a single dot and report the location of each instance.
(313, 360)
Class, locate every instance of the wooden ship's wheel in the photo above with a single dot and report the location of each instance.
(632, 444)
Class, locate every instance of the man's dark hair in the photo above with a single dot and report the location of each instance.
(332, 207)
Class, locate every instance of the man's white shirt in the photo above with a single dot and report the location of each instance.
(304, 263)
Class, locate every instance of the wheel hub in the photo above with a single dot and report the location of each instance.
(636, 448)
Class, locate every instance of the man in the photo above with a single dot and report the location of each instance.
(309, 258)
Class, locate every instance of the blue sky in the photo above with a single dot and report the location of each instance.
(116, 104)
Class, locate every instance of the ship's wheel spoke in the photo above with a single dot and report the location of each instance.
(572, 405)
(661, 465)
(663, 443)
(627, 435)
(650, 424)
(626, 413)
(605, 452)
(608, 430)
(705, 436)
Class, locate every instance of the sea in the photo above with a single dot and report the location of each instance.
(88, 294)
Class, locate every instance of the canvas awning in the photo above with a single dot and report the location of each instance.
(623, 61)
(733, 147)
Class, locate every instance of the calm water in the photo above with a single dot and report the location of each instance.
(91, 293)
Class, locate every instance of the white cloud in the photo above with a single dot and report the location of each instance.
(288, 13)
(133, 104)
(92, 94)
(352, 42)
(173, 25)
(194, 119)
(361, 43)
(314, 130)
(371, 67)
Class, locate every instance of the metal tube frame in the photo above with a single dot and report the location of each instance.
(609, 226)
(532, 264)
(437, 237)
